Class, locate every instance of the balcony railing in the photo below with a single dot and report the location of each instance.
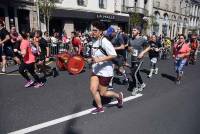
(137, 10)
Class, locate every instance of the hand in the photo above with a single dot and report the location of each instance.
(95, 59)
(15, 50)
(173, 56)
(141, 55)
(47, 59)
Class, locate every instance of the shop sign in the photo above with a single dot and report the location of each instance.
(104, 16)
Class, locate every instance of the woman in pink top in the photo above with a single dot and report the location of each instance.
(28, 63)
(181, 51)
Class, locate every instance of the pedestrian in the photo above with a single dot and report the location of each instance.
(181, 52)
(28, 63)
(102, 70)
(138, 47)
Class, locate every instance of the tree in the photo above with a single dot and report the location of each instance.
(46, 8)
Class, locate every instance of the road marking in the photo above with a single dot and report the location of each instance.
(66, 118)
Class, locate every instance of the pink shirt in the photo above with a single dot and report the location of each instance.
(29, 57)
(184, 50)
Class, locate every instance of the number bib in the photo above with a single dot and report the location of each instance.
(135, 52)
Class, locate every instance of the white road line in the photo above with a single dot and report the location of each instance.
(66, 118)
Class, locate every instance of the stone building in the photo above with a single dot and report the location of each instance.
(172, 17)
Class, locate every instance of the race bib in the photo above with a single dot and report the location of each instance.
(135, 52)
(154, 60)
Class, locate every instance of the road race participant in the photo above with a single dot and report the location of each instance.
(4, 45)
(102, 70)
(43, 57)
(153, 55)
(181, 52)
(28, 63)
(137, 48)
(194, 45)
(15, 41)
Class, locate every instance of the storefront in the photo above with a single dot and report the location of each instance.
(70, 20)
(21, 14)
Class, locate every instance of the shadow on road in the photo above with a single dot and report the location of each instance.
(70, 127)
(146, 71)
(170, 77)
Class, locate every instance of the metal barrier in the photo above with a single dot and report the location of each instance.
(55, 49)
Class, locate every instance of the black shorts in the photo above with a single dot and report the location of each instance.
(119, 60)
(6, 51)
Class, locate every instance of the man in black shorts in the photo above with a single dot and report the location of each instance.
(4, 45)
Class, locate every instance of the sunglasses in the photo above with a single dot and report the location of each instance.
(94, 30)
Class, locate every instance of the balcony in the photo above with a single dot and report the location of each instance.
(137, 10)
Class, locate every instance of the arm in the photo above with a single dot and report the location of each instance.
(6, 39)
(143, 52)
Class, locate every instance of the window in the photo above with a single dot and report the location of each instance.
(124, 5)
(82, 2)
(58, 1)
(102, 4)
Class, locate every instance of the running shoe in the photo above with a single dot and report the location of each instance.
(37, 85)
(143, 85)
(156, 71)
(97, 110)
(28, 83)
(120, 100)
(134, 92)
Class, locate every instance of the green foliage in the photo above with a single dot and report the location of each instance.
(136, 19)
(46, 7)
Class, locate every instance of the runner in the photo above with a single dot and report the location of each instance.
(28, 63)
(137, 48)
(4, 45)
(43, 57)
(118, 43)
(194, 44)
(15, 41)
(181, 52)
(102, 70)
(153, 55)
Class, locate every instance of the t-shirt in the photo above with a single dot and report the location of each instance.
(29, 57)
(117, 41)
(152, 52)
(105, 68)
(43, 45)
(185, 48)
(3, 34)
(76, 41)
(138, 45)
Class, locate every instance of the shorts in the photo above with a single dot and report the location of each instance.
(179, 64)
(119, 60)
(104, 81)
(6, 51)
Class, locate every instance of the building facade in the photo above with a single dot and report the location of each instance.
(77, 15)
(172, 17)
(19, 13)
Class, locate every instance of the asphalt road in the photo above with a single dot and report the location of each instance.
(163, 108)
